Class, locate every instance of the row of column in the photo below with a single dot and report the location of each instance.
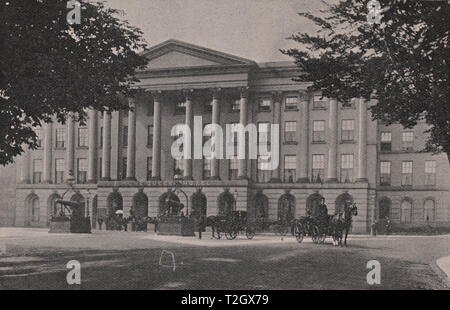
(302, 166)
(302, 163)
(156, 159)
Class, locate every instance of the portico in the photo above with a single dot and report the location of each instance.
(129, 152)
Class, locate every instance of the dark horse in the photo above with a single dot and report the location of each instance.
(341, 222)
(217, 224)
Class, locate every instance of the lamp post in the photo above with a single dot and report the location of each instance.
(235, 195)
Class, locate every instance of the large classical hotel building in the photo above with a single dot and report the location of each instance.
(123, 159)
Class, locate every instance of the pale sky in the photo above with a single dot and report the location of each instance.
(253, 29)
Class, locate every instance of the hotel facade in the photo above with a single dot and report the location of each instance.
(122, 160)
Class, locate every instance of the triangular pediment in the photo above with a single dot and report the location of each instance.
(176, 54)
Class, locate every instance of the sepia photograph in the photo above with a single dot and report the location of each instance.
(224, 150)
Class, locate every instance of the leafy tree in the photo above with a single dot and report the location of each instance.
(50, 68)
(403, 62)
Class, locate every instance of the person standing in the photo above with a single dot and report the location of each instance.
(201, 225)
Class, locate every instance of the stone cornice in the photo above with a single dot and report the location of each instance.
(193, 71)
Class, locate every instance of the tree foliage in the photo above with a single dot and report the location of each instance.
(403, 62)
(49, 68)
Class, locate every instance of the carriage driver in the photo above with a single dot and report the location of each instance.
(322, 212)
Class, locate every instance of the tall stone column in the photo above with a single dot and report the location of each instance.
(242, 169)
(156, 148)
(131, 150)
(106, 151)
(303, 139)
(187, 173)
(362, 142)
(93, 142)
(276, 99)
(215, 119)
(48, 130)
(70, 148)
(332, 143)
(25, 166)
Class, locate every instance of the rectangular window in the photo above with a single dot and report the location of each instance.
(290, 130)
(59, 171)
(386, 141)
(101, 137)
(263, 133)
(318, 131)
(291, 103)
(206, 168)
(37, 171)
(408, 140)
(236, 105)
(234, 166)
(318, 168)
(60, 137)
(348, 130)
(346, 168)
(264, 104)
(319, 102)
(125, 136)
(38, 137)
(234, 133)
(82, 137)
(385, 173)
(263, 172)
(180, 108)
(149, 168)
(289, 168)
(407, 172)
(179, 166)
(82, 166)
(123, 174)
(430, 172)
(150, 135)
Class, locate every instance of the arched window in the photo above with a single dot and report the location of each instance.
(261, 207)
(384, 208)
(140, 205)
(35, 210)
(199, 205)
(405, 211)
(286, 208)
(340, 202)
(429, 210)
(227, 203)
(114, 202)
(312, 202)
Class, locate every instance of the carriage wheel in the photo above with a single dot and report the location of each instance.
(315, 234)
(217, 235)
(231, 235)
(250, 233)
(298, 231)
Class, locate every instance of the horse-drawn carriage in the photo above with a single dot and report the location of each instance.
(231, 225)
(310, 226)
(318, 228)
